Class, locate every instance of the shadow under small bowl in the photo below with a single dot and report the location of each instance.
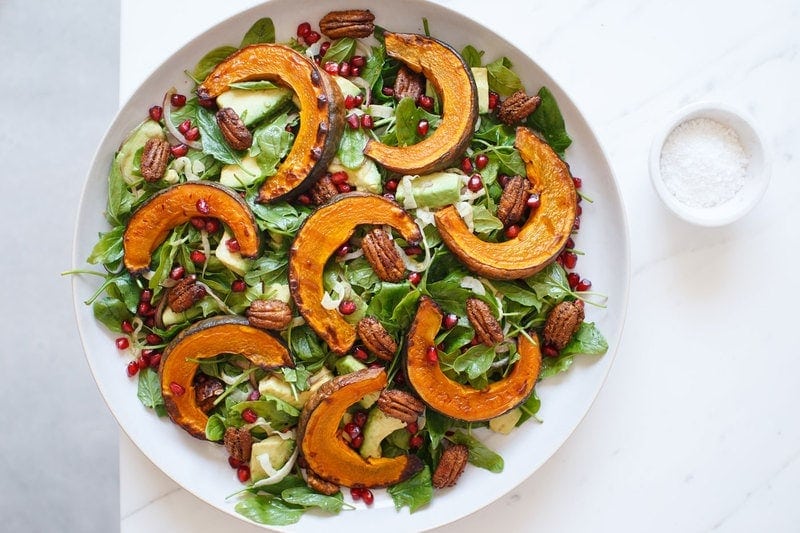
(756, 177)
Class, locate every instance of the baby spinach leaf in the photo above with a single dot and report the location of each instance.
(280, 217)
(483, 221)
(529, 408)
(213, 142)
(413, 492)
(479, 454)
(371, 72)
(149, 390)
(406, 122)
(472, 56)
(502, 79)
(516, 293)
(271, 143)
(111, 312)
(269, 510)
(474, 362)
(587, 340)
(555, 365)
(351, 148)
(548, 121)
(209, 61)
(120, 199)
(305, 344)
(341, 50)
(308, 498)
(262, 31)
(215, 428)
(550, 283)
(258, 85)
(360, 273)
(108, 248)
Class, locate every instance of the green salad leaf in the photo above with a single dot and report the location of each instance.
(548, 120)
(209, 61)
(414, 492)
(262, 31)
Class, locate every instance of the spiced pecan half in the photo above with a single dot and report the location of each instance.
(320, 485)
(323, 190)
(562, 323)
(155, 155)
(401, 405)
(185, 294)
(269, 314)
(487, 328)
(355, 23)
(517, 107)
(376, 339)
(239, 443)
(233, 129)
(408, 84)
(206, 390)
(512, 201)
(380, 252)
(451, 466)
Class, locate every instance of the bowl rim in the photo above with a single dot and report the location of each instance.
(739, 121)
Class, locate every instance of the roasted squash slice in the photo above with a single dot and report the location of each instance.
(175, 205)
(452, 78)
(324, 232)
(459, 401)
(204, 339)
(328, 455)
(541, 238)
(321, 110)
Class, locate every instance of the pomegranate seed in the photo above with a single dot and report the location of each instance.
(356, 493)
(212, 225)
(303, 29)
(198, 222)
(155, 360)
(126, 327)
(360, 353)
(238, 285)
(249, 416)
(578, 210)
(202, 207)
(234, 462)
(177, 273)
(416, 441)
(312, 37)
(358, 61)
(143, 361)
(177, 100)
(152, 338)
(502, 179)
(331, 67)
(367, 496)
(412, 250)
(466, 165)
(347, 307)
(481, 160)
(387, 91)
(184, 126)
(323, 48)
(573, 279)
(150, 321)
(179, 150)
(570, 260)
(339, 177)
(570, 243)
(389, 196)
(360, 418)
(344, 69)
(145, 309)
(349, 101)
(366, 122)
(549, 351)
(400, 378)
(176, 388)
(233, 246)
(243, 473)
(156, 112)
(122, 343)
(475, 183)
(352, 429)
(253, 396)
(344, 187)
(193, 134)
(146, 296)
(304, 199)
(358, 99)
(391, 185)
(426, 102)
(422, 127)
(132, 368)
(450, 320)
(511, 231)
(197, 257)
(415, 278)
(494, 99)
(343, 250)
(533, 201)
(208, 103)
(357, 441)
(584, 285)
(578, 182)
(577, 224)
(353, 121)
(355, 71)
(412, 428)
(431, 355)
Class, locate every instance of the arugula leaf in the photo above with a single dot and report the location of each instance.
(268, 268)
(483, 221)
(209, 61)
(479, 454)
(108, 248)
(341, 50)
(548, 121)
(406, 121)
(213, 142)
(308, 498)
(262, 31)
(474, 362)
(502, 79)
(436, 425)
(269, 510)
(351, 148)
(550, 283)
(413, 492)
(587, 340)
(149, 391)
(305, 344)
(472, 56)
(529, 408)
(280, 217)
(298, 376)
(516, 293)
(449, 294)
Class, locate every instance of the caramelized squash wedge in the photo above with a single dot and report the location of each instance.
(328, 455)
(175, 205)
(452, 78)
(541, 238)
(459, 401)
(321, 110)
(209, 338)
(324, 232)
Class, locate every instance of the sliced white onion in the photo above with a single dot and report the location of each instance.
(412, 264)
(362, 83)
(465, 210)
(223, 307)
(423, 217)
(352, 255)
(297, 321)
(341, 289)
(381, 111)
(167, 108)
(473, 284)
(314, 49)
(275, 475)
(408, 196)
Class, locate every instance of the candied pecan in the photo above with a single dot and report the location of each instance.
(155, 155)
(562, 323)
(517, 107)
(408, 84)
(233, 129)
(487, 328)
(380, 252)
(323, 190)
(401, 405)
(376, 338)
(269, 314)
(512, 201)
(451, 466)
(320, 485)
(206, 390)
(355, 23)
(185, 294)
(239, 443)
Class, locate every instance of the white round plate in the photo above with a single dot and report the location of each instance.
(201, 467)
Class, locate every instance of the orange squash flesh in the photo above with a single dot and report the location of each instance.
(153, 220)
(321, 110)
(544, 234)
(328, 455)
(204, 339)
(459, 401)
(454, 84)
(321, 235)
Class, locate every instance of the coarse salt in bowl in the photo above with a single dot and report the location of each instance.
(708, 164)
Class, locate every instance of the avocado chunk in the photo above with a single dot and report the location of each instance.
(347, 87)
(366, 177)
(254, 106)
(274, 385)
(506, 422)
(481, 77)
(377, 427)
(349, 364)
(126, 157)
(437, 189)
(242, 175)
(233, 260)
(269, 456)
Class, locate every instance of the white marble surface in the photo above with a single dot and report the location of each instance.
(696, 428)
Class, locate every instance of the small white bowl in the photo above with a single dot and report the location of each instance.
(756, 178)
